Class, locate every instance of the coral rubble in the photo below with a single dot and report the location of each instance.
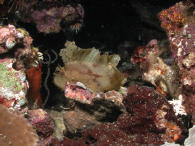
(79, 93)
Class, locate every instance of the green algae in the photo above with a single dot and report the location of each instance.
(8, 79)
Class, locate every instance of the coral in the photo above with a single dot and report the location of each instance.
(17, 54)
(114, 96)
(9, 37)
(53, 16)
(182, 46)
(148, 107)
(149, 120)
(107, 134)
(84, 95)
(103, 106)
(79, 93)
(154, 68)
(178, 107)
(173, 73)
(173, 18)
(42, 122)
(97, 72)
(13, 85)
(18, 44)
(15, 130)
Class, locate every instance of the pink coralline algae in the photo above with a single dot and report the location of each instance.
(68, 142)
(79, 93)
(84, 95)
(18, 44)
(149, 119)
(9, 36)
(182, 46)
(42, 122)
(155, 70)
(172, 19)
(53, 16)
(151, 110)
(177, 78)
(17, 54)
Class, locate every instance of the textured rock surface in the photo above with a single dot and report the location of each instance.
(155, 69)
(179, 23)
(42, 122)
(13, 85)
(15, 130)
(53, 16)
(17, 43)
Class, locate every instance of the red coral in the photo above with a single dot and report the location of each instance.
(150, 112)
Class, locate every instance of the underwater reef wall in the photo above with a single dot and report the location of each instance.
(179, 23)
(52, 16)
(97, 103)
(17, 56)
